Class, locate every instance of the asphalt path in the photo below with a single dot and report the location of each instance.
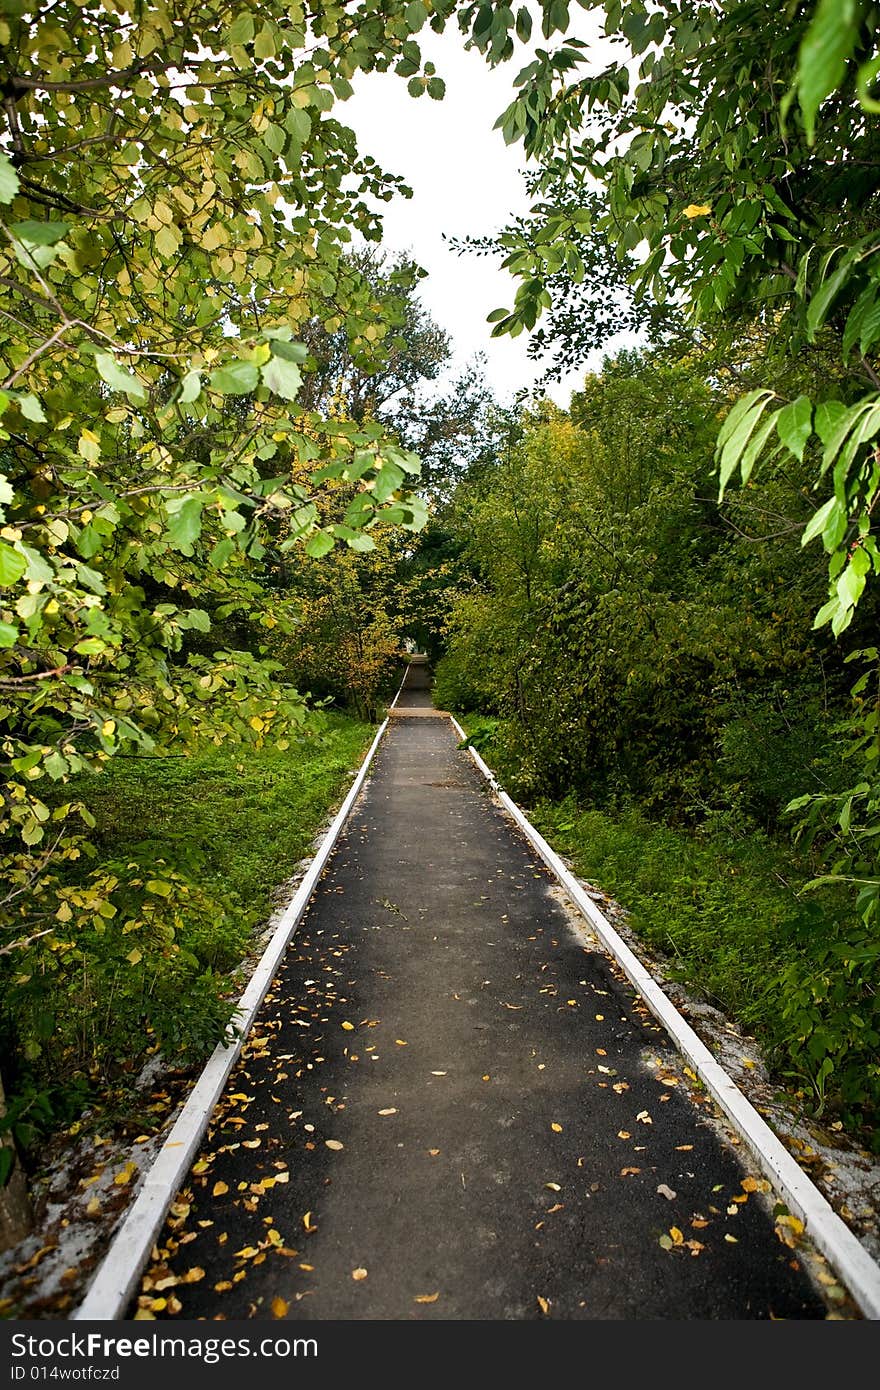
(453, 1106)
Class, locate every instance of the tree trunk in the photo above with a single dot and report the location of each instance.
(16, 1218)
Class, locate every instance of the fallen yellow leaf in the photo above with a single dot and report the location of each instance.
(279, 1308)
(426, 1297)
(557, 1129)
(389, 1110)
(333, 1144)
(544, 1305)
(358, 1274)
(219, 1188)
(349, 1027)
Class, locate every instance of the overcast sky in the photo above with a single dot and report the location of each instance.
(465, 182)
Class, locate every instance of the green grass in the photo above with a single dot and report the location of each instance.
(183, 866)
(797, 970)
(236, 818)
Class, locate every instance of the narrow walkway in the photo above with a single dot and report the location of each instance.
(451, 1107)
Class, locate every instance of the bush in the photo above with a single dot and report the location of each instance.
(798, 972)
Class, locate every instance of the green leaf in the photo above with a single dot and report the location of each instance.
(39, 233)
(31, 409)
(221, 552)
(415, 15)
(319, 544)
(119, 378)
(241, 30)
(198, 619)
(735, 433)
(8, 635)
(822, 56)
(184, 522)
(235, 379)
(824, 296)
(832, 510)
(283, 377)
(9, 183)
(794, 425)
(12, 564)
(160, 887)
(190, 388)
(291, 352)
(361, 542)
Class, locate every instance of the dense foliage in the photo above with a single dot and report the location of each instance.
(647, 649)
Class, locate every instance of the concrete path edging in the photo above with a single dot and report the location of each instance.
(849, 1258)
(114, 1284)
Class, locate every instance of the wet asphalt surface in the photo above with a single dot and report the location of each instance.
(451, 1105)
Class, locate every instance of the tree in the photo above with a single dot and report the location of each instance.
(738, 162)
(177, 199)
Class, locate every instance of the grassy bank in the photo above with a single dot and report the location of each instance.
(236, 817)
(182, 866)
(796, 969)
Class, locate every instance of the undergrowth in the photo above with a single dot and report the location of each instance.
(727, 908)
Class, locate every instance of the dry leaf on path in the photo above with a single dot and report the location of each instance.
(426, 1297)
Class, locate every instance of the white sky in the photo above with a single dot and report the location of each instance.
(465, 182)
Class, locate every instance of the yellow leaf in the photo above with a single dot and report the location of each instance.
(279, 1308)
(544, 1305)
(557, 1129)
(697, 209)
(223, 1287)
(134, 956)
(400, 1042)
(219, 1188)
(308, 1223)
(334, 1144)
(126, 1175)
(193, 1275)
(677, 1235)
(349, 1027)
(426, 1297)
(358, 1274)
(390, 1110)
(93, 1207)
(553, 1186)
